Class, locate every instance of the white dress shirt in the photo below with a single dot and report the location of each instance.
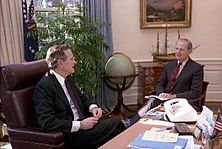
(75, 123)
(181, 66)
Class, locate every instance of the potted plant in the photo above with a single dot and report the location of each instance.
(74, 29)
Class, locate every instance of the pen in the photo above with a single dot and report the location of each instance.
(162, 129)
(174, 102)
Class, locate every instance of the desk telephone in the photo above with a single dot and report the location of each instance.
(179, 110)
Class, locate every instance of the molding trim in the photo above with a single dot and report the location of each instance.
(212, 74)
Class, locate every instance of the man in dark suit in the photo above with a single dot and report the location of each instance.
(60, 106)
(187, 83)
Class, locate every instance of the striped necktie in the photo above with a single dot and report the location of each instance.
(173, 76)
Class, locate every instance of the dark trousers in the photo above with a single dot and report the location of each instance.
(93, 138)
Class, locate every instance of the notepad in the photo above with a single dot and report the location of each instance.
(146, 144)
(160, 136)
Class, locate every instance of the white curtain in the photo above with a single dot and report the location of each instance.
(11, 32)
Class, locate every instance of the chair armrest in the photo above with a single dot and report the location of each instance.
(32, 134)
(198, 98)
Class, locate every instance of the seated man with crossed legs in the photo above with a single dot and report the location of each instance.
(60, 106)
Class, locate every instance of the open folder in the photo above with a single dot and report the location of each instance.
(139, 143)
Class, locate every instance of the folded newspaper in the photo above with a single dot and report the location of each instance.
(157, 97)
(156, 113)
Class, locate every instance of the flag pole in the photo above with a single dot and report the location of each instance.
(215, 132)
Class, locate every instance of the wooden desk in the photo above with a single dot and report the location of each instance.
(122, 140)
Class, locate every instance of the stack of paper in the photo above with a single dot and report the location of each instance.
(158, 140)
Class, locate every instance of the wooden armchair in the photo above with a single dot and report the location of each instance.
(17, 85)
(200, 101)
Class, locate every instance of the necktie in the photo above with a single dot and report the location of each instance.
(73, 100)
(174, 75)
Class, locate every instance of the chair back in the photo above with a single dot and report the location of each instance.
(199, 102)
(17, 85)
(203, 93)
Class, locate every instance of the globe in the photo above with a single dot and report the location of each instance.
(119, 67)
(119, 76)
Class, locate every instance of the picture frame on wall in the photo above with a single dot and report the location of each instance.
(165, 13)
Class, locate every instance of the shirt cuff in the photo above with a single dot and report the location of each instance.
(75, 126)
(92, 106)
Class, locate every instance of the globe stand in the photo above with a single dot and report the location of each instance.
(118, 109)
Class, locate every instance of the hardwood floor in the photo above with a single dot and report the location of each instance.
(214, 106)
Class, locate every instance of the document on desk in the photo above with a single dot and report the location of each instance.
(190, 141)
(139, 143)
(160, 136)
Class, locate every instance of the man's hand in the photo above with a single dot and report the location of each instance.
(97, 112)
(88, 123)
(167, 95)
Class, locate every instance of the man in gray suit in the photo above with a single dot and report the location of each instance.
(60, 106)
(187, 83)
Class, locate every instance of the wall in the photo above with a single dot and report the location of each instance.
(137, 43)
(205, 31)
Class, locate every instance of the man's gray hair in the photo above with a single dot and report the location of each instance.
(189, 43)
(54, 53)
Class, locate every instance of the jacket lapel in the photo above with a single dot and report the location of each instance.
(77, 98)
(60, 91)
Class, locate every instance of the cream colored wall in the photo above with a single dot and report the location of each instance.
(137, 43)
(206, 30)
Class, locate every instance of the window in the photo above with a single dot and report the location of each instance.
(50, 5)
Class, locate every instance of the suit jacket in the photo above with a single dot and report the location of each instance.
(187, 85)
(52, 108)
